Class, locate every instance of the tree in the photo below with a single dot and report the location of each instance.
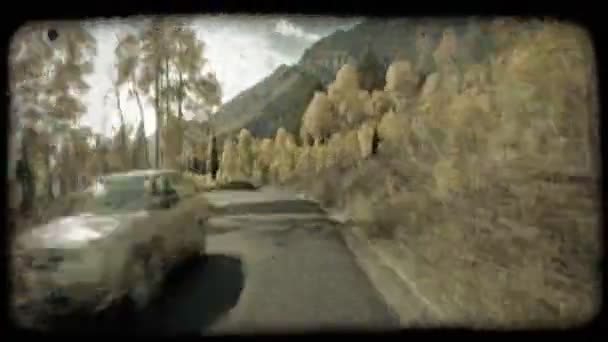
(121, 141)
(380, 103)
(264, 157)
(344, 149)
(168, 66)
(46, 79)
(447, 48)
(118, 155)
(229, 167)
(424, 49)
(25, 175)
(392, 131)
(305, 164)
(401, 78)
(245, 151)
(139, 154)
(446, 59)
(127, 53)
(473, 45)
(365, 136)
(148, 82)
(371, 71)
(283, 158)
(213, 161)
(319, 119)
(347, 97)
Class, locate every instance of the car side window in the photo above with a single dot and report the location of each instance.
(166, 186)
(153, 185)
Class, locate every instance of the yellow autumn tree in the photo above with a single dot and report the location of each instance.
(229, 165)
(402, 79)
(365, 138)
(283, 162)
(264, 156)
(305, 163)
(347, 96)
(319, 119)
(245, 152)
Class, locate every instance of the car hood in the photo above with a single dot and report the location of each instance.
(77, 231)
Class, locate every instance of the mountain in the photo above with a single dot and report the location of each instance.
(281, 98)
(276, 101)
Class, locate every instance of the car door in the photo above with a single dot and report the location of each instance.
(183, 186)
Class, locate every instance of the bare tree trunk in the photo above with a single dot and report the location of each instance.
(49, 175)
(25, 177)
(213, 161)
(594, 151)
(167, 85)
(180, 97)
(143, 127)
(123, 132)
(26, 174)
(158, 115)
(180, 116)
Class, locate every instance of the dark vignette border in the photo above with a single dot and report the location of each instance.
(65, 10)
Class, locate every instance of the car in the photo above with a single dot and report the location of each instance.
(133, 229)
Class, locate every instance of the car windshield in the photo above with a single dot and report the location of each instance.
(121, 193)
(126, 191)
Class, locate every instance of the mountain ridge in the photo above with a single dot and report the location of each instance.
(260, 108)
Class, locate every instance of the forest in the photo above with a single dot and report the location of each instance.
(52, 155)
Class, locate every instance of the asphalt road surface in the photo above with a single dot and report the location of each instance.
(276, 263)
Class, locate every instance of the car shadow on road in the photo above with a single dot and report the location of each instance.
(195, 295)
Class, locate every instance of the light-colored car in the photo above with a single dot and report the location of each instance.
(136, 226)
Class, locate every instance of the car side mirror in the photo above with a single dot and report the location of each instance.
(201, 221)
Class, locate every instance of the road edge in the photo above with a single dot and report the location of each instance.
(400, 294)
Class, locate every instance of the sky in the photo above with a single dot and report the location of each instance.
(241, 50)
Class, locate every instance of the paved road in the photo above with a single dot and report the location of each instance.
(275, 264)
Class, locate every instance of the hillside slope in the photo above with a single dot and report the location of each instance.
(276, 101)
(281, 98)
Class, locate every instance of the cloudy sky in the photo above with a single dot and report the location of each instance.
(241, 50)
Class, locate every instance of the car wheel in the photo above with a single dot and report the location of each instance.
(140, 276)
(139, 293)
